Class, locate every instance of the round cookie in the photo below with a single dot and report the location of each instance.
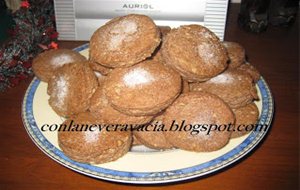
(247, 115)
(91, 145)
(236, 54)
(45, 64)
(195, 52)
(198, 108)
(100, 108)
(235, 88)
(71, 88)
(153, 139)
(143, 89)
(251, 70)
(124, 41)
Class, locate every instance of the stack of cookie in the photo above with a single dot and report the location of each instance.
(138, 73)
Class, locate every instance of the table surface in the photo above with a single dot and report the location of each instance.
(273, 165)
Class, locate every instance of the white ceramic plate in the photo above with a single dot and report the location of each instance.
(141, 165)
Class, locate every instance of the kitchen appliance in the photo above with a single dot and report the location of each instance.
(78, 19)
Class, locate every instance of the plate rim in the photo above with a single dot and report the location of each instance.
(153, 177)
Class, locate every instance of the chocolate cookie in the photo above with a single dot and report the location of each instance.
(154, 138)
(236, 54)
(195, 52)
(247, 115)
(47, 62)
(251, 70)
(237, 89)
(143, 89)
(195, 109)
(92, 146)
(100, 108)
(124, 41)
(71, 88)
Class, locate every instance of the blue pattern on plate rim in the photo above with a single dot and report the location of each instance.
(145, 177)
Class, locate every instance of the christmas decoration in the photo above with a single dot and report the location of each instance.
(33, 32)
(53, 45)
(25, 4)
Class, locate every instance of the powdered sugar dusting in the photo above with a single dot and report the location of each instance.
(222, 78)
(116, 41)
(121, 32)
(206, 52)
(91, 136)
(61, 91)
(128, 27)
(136, 77)
(60, 60)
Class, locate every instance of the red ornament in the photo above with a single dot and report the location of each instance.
(53, 45)
(25, 4)
(54, 35)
